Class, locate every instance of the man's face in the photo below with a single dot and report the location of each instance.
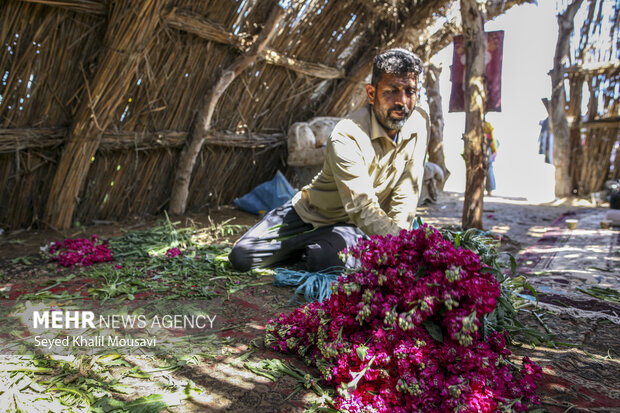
(393, 99)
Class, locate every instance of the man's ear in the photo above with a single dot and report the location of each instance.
(371, 93)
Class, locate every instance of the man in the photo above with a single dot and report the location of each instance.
(369, 184)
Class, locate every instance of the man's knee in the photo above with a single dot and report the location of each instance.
(321, 256)
(240, 258)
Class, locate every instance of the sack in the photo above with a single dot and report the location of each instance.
(266, 196)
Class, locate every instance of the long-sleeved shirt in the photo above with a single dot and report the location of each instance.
(368, 179)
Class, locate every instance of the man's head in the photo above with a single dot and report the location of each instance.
(394, 87)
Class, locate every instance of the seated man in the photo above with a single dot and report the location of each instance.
(369, 184)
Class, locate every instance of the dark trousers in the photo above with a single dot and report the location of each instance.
(282, 236)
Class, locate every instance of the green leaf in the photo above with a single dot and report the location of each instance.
(497, 273)
(532, 290)
(21, 260)
(513, 265)
(507, 305)
(434, 330)
(420, 273)
(457, 241)
(153, 403)
(362, 352)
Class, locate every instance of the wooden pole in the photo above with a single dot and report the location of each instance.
(573, 112)
(435, 144)
(131, 28)
(475, 99)
(191, 22)
(557, 112)
(190, 152)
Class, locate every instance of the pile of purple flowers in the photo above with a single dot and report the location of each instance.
(80, 251)
(402, 334)
(173, 252)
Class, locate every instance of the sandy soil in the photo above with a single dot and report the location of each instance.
(230, 387)
(520, 222)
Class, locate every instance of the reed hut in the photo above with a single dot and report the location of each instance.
(584, 108)
(105, 104)
(117, 108)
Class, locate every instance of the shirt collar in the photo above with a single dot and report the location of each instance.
(376, 130)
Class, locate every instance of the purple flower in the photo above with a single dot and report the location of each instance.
(173, 252)
(80, 251)
(384, 322)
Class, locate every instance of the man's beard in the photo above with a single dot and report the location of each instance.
(383, 116)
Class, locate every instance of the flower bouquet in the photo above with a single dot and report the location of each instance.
(403, 333)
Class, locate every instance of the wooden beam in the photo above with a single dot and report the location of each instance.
(15, 140)
(593, 69)
(496, 8)
(196, 24)
(311, 69)
(80, 6)
(433, 43)
(19, 139)
(601, 123)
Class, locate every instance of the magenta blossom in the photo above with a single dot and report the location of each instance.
(80, 251)
(173, 252)
(403, 333)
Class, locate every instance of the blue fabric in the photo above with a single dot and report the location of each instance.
(316, 286)
(417, 223)
(266, 196)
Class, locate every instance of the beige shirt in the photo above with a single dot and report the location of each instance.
(367, 179)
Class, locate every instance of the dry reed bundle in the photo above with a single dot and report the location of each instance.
(597, 151)
(600, 136)
(224, 173)
(14, 140)
(41, 67)
(25, 185)
(616, 171)
(118, 140)
(80, 6)
(575, 140)
(127, 183)
(129, 32)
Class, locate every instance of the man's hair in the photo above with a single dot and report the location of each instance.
(397, 60)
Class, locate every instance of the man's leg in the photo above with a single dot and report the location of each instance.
(264, 245)
(325, 244)
(282, 235)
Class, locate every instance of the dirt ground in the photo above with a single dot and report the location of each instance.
(573, 373)
(518, 221)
